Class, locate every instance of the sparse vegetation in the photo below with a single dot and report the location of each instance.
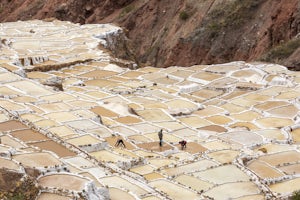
(296, 195)
(231, 15)
(264, 150)
(184, 15)
(18, 196)
(214, 29)
(127, 10)
(281, 51)
(36, 5)
(16, 189)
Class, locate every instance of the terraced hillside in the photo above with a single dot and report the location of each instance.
(64, 102)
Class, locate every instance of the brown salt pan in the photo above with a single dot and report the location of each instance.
(193, 147)
(116, 194)
(215, 128)
(104, 112)
(128, 120)
(154, 146)
(63, 181)
(60, 150)
(112, 141)
(28, 135)
(11, 125)
(291, 169)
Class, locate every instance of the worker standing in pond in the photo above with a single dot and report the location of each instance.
(160, 136)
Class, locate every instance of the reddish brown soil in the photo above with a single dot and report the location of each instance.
(183, 32)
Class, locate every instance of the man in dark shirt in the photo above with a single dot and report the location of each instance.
(160, 136)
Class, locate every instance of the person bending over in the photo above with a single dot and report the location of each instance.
(183, 144)
(120, 142)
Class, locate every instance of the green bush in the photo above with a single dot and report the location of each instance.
(282, 51)
(296, 195)
(184, 15)
(127, 10)
(18, 196)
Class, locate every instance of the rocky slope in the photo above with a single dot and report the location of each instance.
(185, 32)
(16, 185)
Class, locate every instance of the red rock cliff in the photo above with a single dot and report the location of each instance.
(185, 32)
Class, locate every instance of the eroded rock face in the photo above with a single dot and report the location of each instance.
(184, 32)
